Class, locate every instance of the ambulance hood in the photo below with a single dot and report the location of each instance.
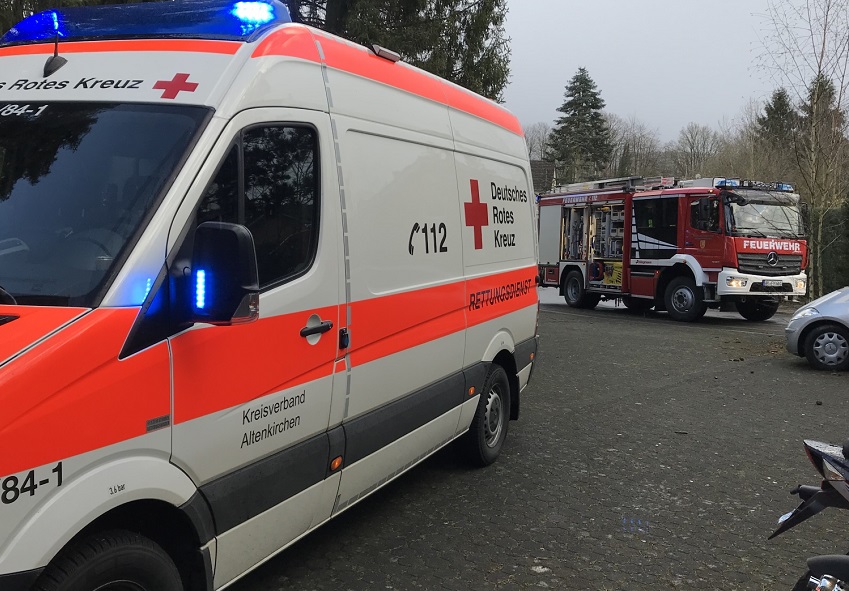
(22, 327)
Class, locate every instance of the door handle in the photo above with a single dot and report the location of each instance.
(317, 329)
(688, 243)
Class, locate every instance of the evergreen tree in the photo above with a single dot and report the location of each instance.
(580, 141)
(779, 121)
(823, 156)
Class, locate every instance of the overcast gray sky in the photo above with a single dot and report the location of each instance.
(665, 62)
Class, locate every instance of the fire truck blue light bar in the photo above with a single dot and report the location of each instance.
(181, 19)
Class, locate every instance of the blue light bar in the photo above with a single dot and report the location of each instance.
(728, 183)
(183, 19)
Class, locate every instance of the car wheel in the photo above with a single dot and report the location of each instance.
(684, 301)
(488, 431)
(827, 347)
(111, 561)
(757, 309)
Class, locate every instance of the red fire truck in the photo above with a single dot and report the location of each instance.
(680, 246)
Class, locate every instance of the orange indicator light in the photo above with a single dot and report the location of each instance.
(472, 391)
(336, 463)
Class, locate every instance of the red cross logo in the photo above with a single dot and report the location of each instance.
(171, 88)
(477, 214)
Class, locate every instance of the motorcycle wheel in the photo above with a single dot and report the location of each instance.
(802, 583)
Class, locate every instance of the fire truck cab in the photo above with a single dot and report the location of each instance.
(677, 245)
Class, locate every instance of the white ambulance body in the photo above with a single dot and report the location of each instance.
(381, 303)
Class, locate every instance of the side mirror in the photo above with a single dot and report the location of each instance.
(224, 285)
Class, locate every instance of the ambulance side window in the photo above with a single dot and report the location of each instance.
(269, 183)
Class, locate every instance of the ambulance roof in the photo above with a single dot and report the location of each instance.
(185, 19)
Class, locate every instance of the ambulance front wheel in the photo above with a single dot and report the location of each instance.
(111, 561)
(485, 438)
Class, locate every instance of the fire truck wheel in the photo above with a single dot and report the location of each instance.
(574, 292)
(757, 309)
(684, 301)
(111, 561)
(483, 442)
(638, 304)
(827, 347)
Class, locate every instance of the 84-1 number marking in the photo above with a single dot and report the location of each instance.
(13, 487)
(11, 109)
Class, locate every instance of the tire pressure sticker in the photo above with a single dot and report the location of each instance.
(17, 486)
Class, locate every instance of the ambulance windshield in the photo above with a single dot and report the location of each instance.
(76, 182)
(764, 214)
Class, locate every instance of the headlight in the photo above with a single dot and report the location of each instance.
(800, 284)
(804, 313)
(736, 282)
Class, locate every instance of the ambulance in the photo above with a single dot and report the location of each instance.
(251, 272)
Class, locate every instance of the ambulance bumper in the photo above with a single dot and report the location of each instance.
(732, 283)
(22, 581)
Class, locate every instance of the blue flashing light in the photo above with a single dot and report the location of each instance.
(785, 187)
(258, 13)
(200, 289)
(728, 183)
(184, 19)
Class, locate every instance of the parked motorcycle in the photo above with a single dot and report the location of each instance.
(825, 573)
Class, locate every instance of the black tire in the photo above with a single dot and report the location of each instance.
(802, 583)
(486, 435)
(591, 300)
(827, 347)
(575, 294)
(111, 561)
(638, 304)
(684, 301)
(757, 309)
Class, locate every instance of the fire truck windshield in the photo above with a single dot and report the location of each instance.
(77, 180)
(764, 214)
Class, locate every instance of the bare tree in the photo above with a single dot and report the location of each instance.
(536, 137)
(809, 54)
(645, 148)
(696, 146)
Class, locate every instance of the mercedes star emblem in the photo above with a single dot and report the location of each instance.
(772, 259)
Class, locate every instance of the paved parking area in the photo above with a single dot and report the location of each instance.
(650, 454)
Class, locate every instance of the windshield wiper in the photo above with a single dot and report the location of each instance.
(753, 231)
(6, 297)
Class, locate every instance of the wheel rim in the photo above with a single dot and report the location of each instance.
(494, 417)
(120, 586)
(831, 348)
(573, 291)
(683, 299)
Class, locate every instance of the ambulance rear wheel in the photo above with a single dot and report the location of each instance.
(575, 294)
(757, 309)
(684, 300)
(112, 561)
(486, 436)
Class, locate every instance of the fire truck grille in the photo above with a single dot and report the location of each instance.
(788, 264)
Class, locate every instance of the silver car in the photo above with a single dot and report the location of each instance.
(820, 331)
